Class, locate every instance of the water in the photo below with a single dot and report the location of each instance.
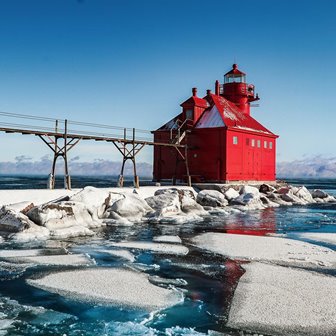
(207, 281)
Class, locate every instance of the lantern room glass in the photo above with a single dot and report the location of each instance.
(234, 78)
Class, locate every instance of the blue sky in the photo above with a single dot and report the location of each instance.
(131, 63)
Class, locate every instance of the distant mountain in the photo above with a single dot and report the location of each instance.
(25, 165)
(318, 166)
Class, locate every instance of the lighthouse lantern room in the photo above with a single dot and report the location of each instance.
(224, 142)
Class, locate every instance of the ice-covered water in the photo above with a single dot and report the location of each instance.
(206, 280)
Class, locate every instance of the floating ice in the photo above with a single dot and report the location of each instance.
(284, 301)
(155, 247)
(125, 254)
(275, 249)
(115, 286)
(167, 239)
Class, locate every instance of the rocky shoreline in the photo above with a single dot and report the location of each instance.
(79, 212)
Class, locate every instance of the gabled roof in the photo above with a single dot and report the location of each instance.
(171, 124)
(220, 112)
(210, 118)
(196, 101)
(230, 116)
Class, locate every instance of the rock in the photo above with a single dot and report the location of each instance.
(95, 200)
(304, 194)
(13, 221)
(62, 215)
(246, 189)
(190, 206)
(317, 193)
(330, 199)
(265, 188)
(165, 202)
(276, 198)
(268, 203)
(249, 200)
(23, 207)
(131, 207)
(283, 190)
(211, 198)
(231, 194)
(33, 232)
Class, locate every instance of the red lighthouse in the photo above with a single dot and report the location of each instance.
(225, 143)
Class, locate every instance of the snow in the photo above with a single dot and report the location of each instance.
(329, 238)
(61, 260)
(130, 208)
(279, 300)
(36, 196)
(271, 249)
(155, 247)
(20, 253)
(167, 239)
(94, 199)
(211, 198)
(115, 286)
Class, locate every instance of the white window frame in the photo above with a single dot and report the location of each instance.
(258, 143)
(235, 140)
(252, 142)
(271, 145)
(265, 144)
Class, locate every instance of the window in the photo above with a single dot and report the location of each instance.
(265, 144)
(247, 142)
(258, 143)
(189, 114)
(235, 140)
(270, 144)
(253, 143)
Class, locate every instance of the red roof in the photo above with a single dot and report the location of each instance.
(235, 71)
(233, 117)
(195, 101)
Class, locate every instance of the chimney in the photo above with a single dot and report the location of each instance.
(217, 87)
(208, 92)
(194, 92)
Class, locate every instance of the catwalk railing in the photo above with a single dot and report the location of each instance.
(61, 135)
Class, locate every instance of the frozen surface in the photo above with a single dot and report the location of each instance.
(124, 254)
(168, 239)
(155, 247)
(275, 249)
(329, 238)
(115, 286)
(278, 300)
(34, 256)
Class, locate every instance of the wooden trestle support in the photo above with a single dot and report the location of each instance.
(60, 150)
(128, 149)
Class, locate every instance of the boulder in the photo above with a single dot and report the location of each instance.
(251, 201)
(317, 193)
(165, 202)
(230, 194)
(95, 200)
(131, 207)
(211, 198)
(266, 188)
(62, 215)
(246, 189)
(290, 197)
(13, 221)
(304, 194)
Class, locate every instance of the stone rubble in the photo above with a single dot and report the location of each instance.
(90, 208)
